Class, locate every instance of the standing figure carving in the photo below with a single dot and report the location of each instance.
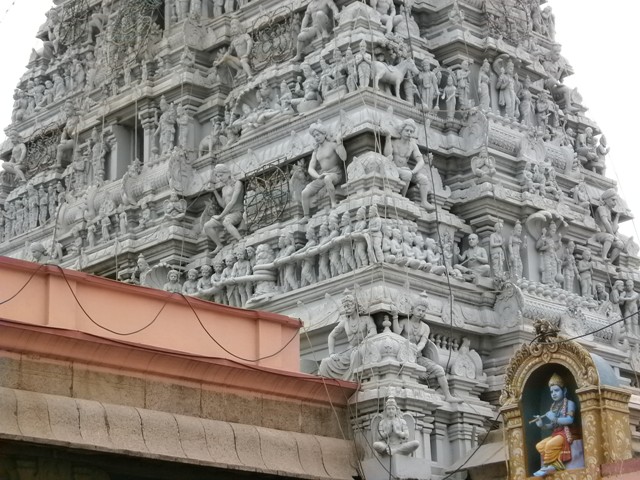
(484, 86)
(496, 249)
(547, 246)
(166, 130)
(363, 65)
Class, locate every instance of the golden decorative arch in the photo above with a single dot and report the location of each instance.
(604, 409)
(529, 358)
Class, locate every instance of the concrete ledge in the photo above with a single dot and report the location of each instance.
(84, 424)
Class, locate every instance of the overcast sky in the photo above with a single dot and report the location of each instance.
(600, 40)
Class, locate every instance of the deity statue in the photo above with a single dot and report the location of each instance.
(484, 86)
(506, 86)
(449, 94)
(555, 450)
(402, 148)
(325, 167)
(417, 332)
(166, 126)
(496, 249)
(393, 432)
(375, 234)
(607, 217)
(463, 84)
(547, 246)
(229, 194)
(357, 328)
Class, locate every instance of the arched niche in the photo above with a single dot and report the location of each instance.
(603, 407)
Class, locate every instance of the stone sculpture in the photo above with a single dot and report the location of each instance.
(316, 22)
(629, 307)
(606, 218)
(173, 282)
(585, 272)
(16, 164)
(484, 86)
(474, 260)
(496, 249)
(229, 194)
(417, 332)
(68, 136)
(239, 51)
(393, 432)
(325, 167)
(401, 148)
(357, 327)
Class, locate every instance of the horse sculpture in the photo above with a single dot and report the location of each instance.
(393, 74)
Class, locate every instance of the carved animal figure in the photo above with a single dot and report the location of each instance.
(393, 75)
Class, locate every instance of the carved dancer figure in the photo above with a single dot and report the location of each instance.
(449, 94)
(393, 433)
(357, 328)
(417, 332)
(401, 151)
(556, 448)
(329, 156)
(316, 22)
(229, 194)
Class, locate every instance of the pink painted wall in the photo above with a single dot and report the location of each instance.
(145, 316)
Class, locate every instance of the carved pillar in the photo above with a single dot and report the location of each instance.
(147, 119)
(120, 144)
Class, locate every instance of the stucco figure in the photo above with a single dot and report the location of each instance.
(229, 194)
(393, 432)
(555, 449)
(357, 327)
